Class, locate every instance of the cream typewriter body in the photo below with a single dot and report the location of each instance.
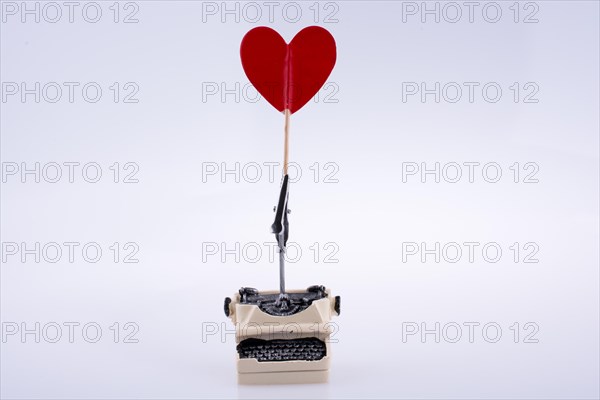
(283, 341)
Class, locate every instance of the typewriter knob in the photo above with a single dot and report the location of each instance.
(226, 306)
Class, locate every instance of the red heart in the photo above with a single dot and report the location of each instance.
(288, 75)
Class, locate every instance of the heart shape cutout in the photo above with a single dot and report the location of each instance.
(288, 75)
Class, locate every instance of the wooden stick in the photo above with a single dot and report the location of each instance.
(286, 130)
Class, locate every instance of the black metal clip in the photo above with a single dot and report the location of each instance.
(281, 230)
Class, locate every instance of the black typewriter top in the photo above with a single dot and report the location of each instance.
(282, 305)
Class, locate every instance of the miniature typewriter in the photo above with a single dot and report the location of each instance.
(283, 341)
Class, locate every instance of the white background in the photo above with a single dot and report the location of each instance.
(363, 126)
